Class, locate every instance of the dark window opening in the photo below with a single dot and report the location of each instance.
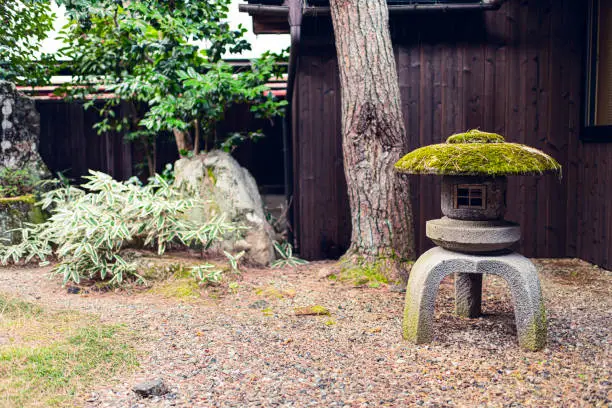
(597, 124)
(470, 196)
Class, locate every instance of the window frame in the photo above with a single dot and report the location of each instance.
(470, 188)
(591, 132)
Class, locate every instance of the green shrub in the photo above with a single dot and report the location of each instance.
(206, 274)
(15, 183)
(285, 252)
(90, 226)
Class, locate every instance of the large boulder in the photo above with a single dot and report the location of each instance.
(19, 131)
(226, 187)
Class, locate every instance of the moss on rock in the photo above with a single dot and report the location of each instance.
(476, 153)
(474, 159)
(14, 212)
(26, 199)
(534, 338)
(475, 136)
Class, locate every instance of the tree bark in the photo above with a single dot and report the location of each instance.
(183, 141)
(373, 135)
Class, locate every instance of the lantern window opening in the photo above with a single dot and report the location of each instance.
(470, 196)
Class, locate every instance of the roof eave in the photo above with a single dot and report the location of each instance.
(275, 10)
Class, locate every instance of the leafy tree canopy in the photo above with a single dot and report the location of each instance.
(24, 24)
(144, 52)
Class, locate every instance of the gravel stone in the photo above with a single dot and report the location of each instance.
(151, 388)
(245, 358)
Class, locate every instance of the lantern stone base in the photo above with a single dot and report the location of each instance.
(435, 264)
(473, 236)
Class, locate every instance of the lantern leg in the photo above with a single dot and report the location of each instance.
(518, 271)
(468, 295)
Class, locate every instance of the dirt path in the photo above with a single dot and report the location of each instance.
(249, 349)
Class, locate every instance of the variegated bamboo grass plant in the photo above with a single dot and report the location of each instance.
(90, 226)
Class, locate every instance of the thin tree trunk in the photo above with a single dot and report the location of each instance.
(183, 141)
(373, 135)
(196, 142)
(149, 155)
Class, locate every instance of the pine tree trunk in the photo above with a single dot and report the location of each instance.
(373, 135)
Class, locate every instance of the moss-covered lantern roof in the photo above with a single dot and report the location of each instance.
(476, 153)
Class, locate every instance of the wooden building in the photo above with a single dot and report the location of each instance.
(69, 143)
(537, 71)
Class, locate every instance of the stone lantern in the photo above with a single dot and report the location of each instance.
(472, 237)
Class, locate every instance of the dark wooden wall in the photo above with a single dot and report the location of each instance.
(321, 216)
(69, 144)
(516, 71)
(592, 200)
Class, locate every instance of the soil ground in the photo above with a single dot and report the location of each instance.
(247, 347)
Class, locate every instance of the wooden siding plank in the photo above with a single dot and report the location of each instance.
(496, 70)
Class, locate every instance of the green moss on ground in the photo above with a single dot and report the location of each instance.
(272, 292)
(381, 271)
(182, 289)
(314, 310)
(330, 322)
(269, 292)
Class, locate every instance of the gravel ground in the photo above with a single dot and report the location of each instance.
(249, 348)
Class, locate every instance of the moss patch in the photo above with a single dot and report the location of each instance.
(314, 310)
(211, 175)
(272, 292)
(183, 289)
(410, 323)
(330, 322)
(473, 159)
(364, 273)
(37, 215)
(26, 199)
(14, 211)
(161, 271)
(475, 136)
(534, 338)
(477, 153)
(154, 268)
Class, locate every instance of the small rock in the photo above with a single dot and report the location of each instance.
(94, 396)
(398, 288)
(150, 388)
(314, 310)
(260, 304)
(73, 290)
